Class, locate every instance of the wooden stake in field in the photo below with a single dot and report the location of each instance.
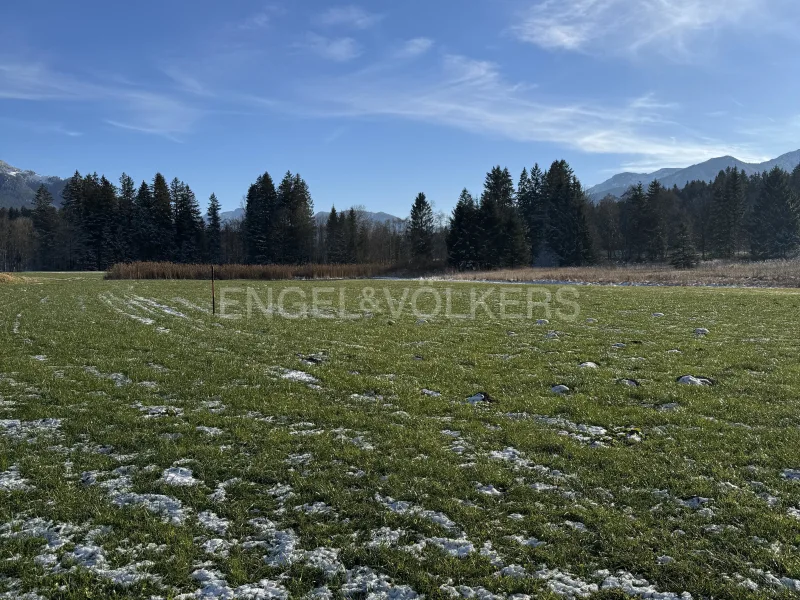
(213, 295)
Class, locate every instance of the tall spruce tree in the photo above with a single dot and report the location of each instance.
(295, 228)
(213, 231)
(189, 227)
(73, 242)
(655, 227)
(728, 207)
(681, 250)
(163, 227)
(350, 235)
(636, 201)
(462, 236)
(123, 234)
(333, 238)
(144, 231)
(260, 208)
(567, 239)
(45, 226)
(420, 231)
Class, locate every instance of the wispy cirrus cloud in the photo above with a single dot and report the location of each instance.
(259, 19)
(119, 104)
(336, 49)
(41, 127)
(348, 16)
(630, 26)
(414, 47)
(473, 95)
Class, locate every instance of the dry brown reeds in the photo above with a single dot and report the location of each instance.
(168, 270)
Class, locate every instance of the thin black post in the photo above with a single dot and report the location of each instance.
(213, 295)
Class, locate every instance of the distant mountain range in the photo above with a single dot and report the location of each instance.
(321, 217)
(18, 187)
(705, 171)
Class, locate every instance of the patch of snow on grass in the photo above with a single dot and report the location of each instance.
(11, 481)
(179, 477)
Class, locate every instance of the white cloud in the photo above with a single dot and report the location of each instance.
(260, 19)
(628, 26)
(122, 105)
(414, 48)
(335, 49)
(348, 16)
(474, 96)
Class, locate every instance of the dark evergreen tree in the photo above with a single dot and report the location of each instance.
(775, 227)
(260, 210)
(162, 220)
(189, 227)
(567, 239)
(535, 212)
(497, 201)
(517, 246)
(293, 225)
(72, 240)
(636, 232)
(462, 236)
(350, 235)
(123, 231)
(682, 252)
(609, 220)
(334, 238)
(654, 224)
(144, 231)
(45, 226)
(213, 231)
(420, 231)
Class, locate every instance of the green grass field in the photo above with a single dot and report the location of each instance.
(151, 450)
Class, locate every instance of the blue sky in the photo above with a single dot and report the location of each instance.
(375, 101)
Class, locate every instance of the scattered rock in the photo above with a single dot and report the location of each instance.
(628, 382)
(559, 389)
(588, 365)
(313, 359)
(701, 331)
(658, 315)
(791, 474)
(542, 322)
(618, 345)
(431, 393)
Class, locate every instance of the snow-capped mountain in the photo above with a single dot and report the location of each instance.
(705, 171)
(18, 187)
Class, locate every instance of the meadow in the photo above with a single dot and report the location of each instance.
(334, 444)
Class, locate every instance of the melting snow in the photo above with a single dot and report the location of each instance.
(406, 508)
(11, 481)
(179, 477)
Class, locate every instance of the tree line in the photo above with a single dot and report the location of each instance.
(545, 219)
